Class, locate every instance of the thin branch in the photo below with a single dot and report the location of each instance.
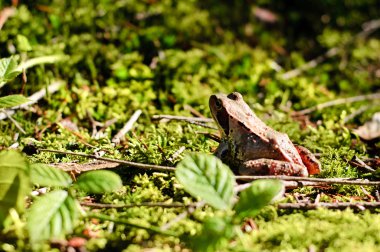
(200, 121)
(360, 163)
(182, 118)
(193, 111)
(368, 28)
(145, 204)
(302, 180)
(129, 163)
(34, 98)
(311, 64)
(342, 181)
(338, 205)
(91, 166)
(357, 112)
(340, 101)
(50, 59)
(127, 127)
(177, 153)
(5, 14)
(154, 229)
(204, 125)
(18, 126)
(183, 215)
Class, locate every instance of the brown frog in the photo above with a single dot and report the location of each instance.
(251, 147)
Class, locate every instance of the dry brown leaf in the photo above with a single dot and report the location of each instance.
(371, 129)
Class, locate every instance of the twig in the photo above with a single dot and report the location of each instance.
(182, 118)
(50, 59)
(338, 205)
(368, 28)
(200, 121)
(312, 63)
(133, 164)
(177, 153)
(360, 163)
(193, 111)
(5, 14)
(127, 127)
(145, 204)
(204, 125)
(34, 98)
(367, 97)
(342, 181)
(128, 223)
(182, 215)
(91, 166)
(18, 126)
(357, 112)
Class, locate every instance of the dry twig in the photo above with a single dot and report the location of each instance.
(182, 215)
(129, 163)
(127, 127)
(34, 98)
(78, 168)
(368, 28)
(323, 181)
(200, 121)
(337, 205)
(144, 204)
(181, 118)
(5, 14)
(340, 101)
(18, 126)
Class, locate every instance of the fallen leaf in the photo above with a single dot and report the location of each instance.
(370, 130)
(265, 15)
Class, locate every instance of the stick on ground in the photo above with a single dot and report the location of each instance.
(34, 98)
(337, 205)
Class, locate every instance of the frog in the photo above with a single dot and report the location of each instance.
(250, 147)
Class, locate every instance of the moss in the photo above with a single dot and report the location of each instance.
(319, 229)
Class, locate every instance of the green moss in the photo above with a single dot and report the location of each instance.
(318, 229)
(160, 57)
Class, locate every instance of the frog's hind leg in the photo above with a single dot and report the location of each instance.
(309, 160)
(265, 166)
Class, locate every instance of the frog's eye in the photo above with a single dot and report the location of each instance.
(218, 104)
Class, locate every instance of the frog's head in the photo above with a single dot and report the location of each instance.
(227, 108)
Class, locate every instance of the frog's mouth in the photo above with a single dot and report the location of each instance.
(220, 115)
(223, 122)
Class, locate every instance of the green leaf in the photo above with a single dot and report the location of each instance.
(99, 181)
(8, 69)
(215, 235)
(258, 195)
(10, 101)
(45, 175)
(23, 43)
(14, 182)
(207, 177)
(52, 215)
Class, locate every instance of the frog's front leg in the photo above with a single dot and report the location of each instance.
(265, 166)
